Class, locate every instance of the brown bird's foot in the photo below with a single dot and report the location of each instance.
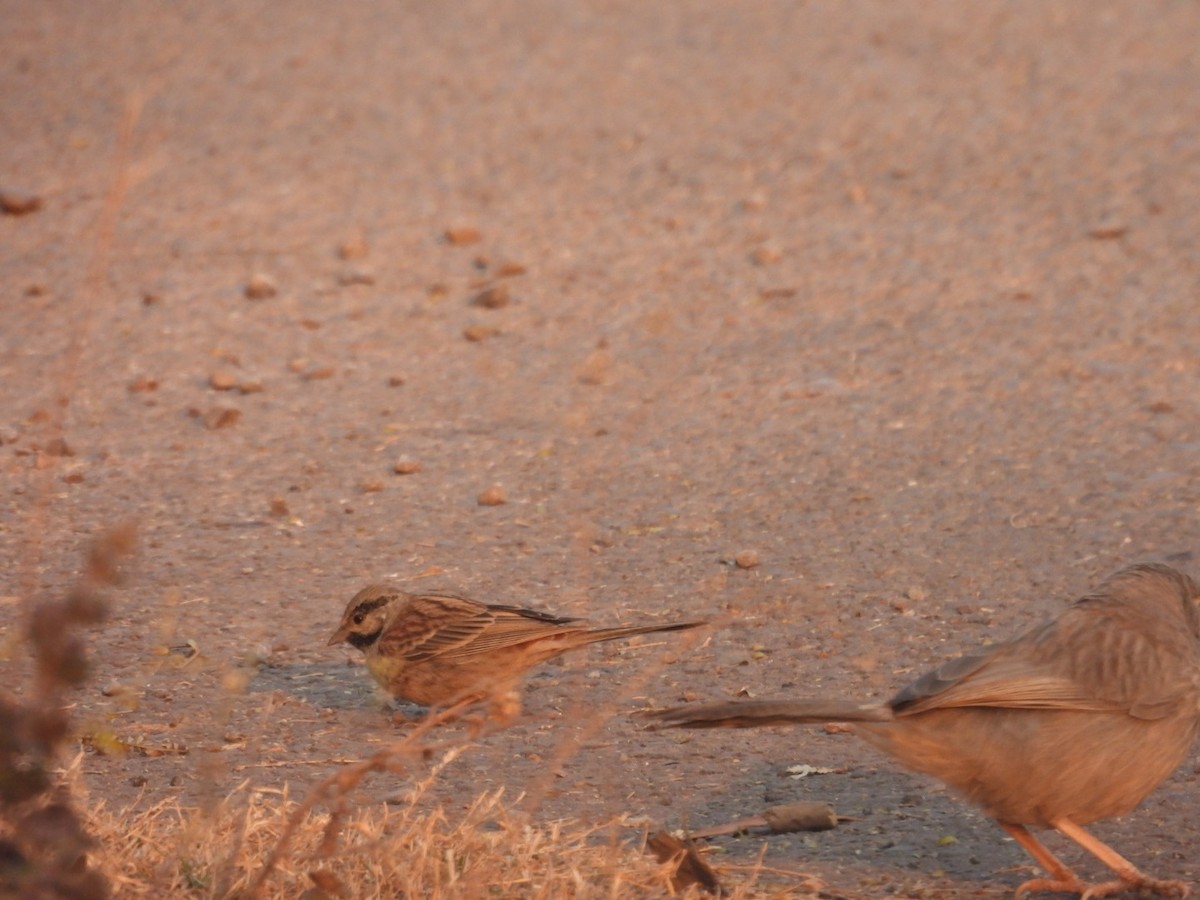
(1129, 876)
(1049, 885)
(503, 709)
(1062, 880)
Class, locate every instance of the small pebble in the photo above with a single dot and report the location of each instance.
(143, 384)
(260, 287)
(351, 277)
(395, 380)
(406, 466)
(372, 486)
(756, 202)
(222, 380)
(15, 203)
(747, 559)
(221, 417)
(354, 248)
(510, 269)
(57, 447)
(496, 297)
(493, 496)
(478, 333)
(1108, 230)
(765, 256)
(279, 507)
(462, 235)
(916, 594)
(596, 368)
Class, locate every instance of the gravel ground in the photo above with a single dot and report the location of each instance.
(899, 299)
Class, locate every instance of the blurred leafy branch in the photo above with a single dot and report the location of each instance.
(44, 842)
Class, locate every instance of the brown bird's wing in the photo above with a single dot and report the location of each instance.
(998, 680)
(1087, 659)
(513, 625)
(442, 624)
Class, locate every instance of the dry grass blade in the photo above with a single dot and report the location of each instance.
(334, 789)
(389, 850)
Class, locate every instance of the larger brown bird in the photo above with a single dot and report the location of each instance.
(1074, 721)
(437, 649)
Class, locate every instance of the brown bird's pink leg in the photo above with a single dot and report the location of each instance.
(504, 706)
(1131, 878)
(1061, 878)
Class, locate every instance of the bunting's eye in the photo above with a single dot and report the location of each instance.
(358, 617)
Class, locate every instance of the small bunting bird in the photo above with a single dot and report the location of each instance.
(437, 649)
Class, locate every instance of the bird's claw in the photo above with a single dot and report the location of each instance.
(1051, 885)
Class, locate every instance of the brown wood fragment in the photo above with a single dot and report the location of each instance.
(690, 869)
(803, 815)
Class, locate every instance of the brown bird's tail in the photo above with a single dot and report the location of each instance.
(755, 713)
(595, 635)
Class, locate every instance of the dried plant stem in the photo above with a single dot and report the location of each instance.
(333, 789)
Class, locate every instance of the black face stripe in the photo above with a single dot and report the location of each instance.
(363, 641)
(370, 605)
